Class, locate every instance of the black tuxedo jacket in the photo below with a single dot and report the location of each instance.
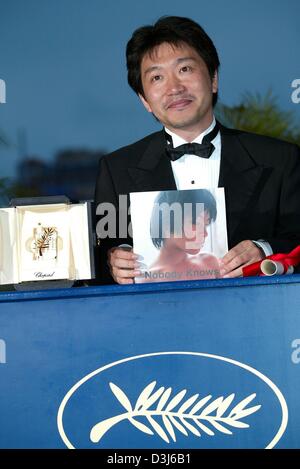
(261, 177)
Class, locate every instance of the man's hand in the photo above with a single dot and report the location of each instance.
(123, 265)
(244, 253)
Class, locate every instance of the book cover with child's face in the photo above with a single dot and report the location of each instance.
(179, 235)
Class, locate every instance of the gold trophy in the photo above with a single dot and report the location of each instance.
(44, 244)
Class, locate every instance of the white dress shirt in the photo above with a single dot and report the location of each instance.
(192, 171)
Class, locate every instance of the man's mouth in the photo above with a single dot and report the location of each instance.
(179, 103)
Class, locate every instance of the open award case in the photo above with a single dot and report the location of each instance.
(45, 242)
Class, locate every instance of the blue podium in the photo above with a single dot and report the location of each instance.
(200, 364)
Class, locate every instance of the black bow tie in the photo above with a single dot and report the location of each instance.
(204, 149)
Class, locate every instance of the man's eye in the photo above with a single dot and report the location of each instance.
(156, 78)
(186, 68)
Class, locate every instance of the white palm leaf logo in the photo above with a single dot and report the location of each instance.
(194, 415)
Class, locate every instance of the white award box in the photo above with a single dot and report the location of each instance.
(45, 241)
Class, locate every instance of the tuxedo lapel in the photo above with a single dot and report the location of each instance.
(153, 171)
(242, 179)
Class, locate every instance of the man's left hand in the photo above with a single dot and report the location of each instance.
(244, 253)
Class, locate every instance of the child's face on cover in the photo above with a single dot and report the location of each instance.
(192, 239)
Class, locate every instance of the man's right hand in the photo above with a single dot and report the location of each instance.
(123, 265)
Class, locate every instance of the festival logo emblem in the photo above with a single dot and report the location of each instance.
(193, 415)
(116, 407)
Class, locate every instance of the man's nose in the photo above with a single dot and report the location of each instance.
(174, 85)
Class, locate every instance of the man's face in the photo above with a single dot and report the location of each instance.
(178, 88)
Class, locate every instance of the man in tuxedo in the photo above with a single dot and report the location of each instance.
(173, 68)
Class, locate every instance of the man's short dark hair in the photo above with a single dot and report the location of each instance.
(167, 199)
(174, 30)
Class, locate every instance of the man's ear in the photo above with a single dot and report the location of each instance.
(145, 103)
(215, 82)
